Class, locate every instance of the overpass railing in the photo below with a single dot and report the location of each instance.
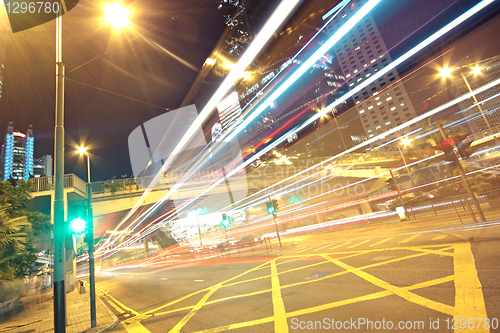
(47, 183)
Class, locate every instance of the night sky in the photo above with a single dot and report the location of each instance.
(97, 110)
(137, 69)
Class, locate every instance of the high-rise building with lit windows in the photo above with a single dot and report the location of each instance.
(361, 53)
(17, 154)
(489, 71)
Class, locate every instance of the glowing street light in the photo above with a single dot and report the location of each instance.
(445, 72)
(406, 141)
(116, 15)
(82, 150)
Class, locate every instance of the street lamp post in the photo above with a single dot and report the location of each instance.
(59, 224)
(90, 241)
(479, 107)
(406, 142)
(118, 17)
(446, 72)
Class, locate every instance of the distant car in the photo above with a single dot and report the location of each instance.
(248, 240)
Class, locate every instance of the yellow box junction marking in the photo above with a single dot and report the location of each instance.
(280, 323)
(382, 241)
(439, 237)
(358, 244)
(406, 240)
(469, 299)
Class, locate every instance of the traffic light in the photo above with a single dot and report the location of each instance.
(391, 185)
(225, 220)
(77, 217)
(78, 226)
(275, 205)
(462, 144)
(464, 149)
(270, 208)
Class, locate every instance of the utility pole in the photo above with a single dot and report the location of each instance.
(59, 224)
(465, 181)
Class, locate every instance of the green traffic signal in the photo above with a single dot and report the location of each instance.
(270, 208)
(225, 221)
(78, 226)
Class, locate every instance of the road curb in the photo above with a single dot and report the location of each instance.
(110, 326)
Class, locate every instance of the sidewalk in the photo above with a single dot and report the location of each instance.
(39, 317)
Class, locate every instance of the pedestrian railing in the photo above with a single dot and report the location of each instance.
(442, 207)
(47, 183)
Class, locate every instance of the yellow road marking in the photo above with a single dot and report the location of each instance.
(136, 328)
(410, 248)
(358, 244)
(382, 241)
(327, 306)
(123, 306)
(205, 289)
(406, 240)
(405, 294)
(302, 282)
(116, 307)
(439, 237)
(177, 328)
(307, 248)
(469, 299)
(280, 324)
(367, 297)
(339, 246)
(330, 244)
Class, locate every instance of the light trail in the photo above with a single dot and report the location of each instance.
(279, 15)
(398, 61)
(339, 34)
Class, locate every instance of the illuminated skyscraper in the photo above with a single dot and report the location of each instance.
(384, 104)
(17, 154)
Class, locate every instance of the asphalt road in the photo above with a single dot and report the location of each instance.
(420, 276)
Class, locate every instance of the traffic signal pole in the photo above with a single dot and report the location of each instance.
(275, 223)
(465, 181)
(59, 224)
(90, 242)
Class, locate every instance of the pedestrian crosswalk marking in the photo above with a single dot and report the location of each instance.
(406, 240)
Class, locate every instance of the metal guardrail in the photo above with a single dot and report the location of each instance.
(449, 206)
(47, 183)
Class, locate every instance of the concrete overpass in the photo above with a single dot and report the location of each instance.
(113, 199)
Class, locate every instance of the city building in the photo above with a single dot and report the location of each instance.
(43, 166)
(17, 154)
(361, 53)
(467, 81)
